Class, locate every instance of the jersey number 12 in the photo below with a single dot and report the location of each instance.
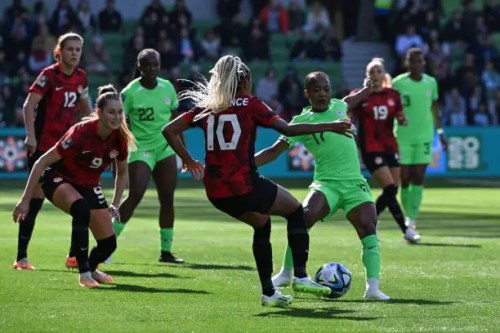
(219, 131)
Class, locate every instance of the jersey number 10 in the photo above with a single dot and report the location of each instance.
(219, 131)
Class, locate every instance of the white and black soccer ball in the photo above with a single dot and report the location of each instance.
(335, 276)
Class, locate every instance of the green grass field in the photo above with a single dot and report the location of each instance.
(448, 283)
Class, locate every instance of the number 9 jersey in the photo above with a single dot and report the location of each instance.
(148, 110)
(230, 134)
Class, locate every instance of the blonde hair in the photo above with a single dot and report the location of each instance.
(386, 83)
(215, 95)
(108, 92)
(62, 40)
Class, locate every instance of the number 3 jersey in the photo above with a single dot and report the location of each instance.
(375, 116)
(230, 136)
(336, 155)
(85, 155)
(57, 111)
(148, 110)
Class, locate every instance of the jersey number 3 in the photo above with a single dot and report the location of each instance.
(219, 132)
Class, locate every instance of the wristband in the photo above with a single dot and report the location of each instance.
(440, 131)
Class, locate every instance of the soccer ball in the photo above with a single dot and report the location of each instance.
(335, 276)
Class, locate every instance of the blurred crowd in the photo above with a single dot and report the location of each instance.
(459, 47)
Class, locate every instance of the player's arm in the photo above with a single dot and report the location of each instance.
(342, 126)
(172, 133)
(121, 180)
(437, 122)
(84, 103)
(357, 97)
(271, 153)
(29, 107)
(41, 164)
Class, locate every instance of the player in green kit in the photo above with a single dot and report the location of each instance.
(419, 95)
(338, 182)
(150, 102)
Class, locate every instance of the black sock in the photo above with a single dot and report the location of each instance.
(298, 239)
(390, 198)
(80, 211)
(381, 203)
(26, 228)
(100, 252)
(263, 254)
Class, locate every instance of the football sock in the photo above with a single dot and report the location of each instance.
(381, 202)
(371, 256)
(26, 228)
(166, 237)
(118, 227)
(263, 254)
(390, 193)
(80, 211)
(298, 238)
(416, 201)
(405, 198)
(288, 259)
(105, 247)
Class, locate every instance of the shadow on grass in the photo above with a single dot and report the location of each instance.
(219, 267)
(473, 246)
(329, 313)
(134, 274)
(473, 236)
(396, 301)
(142, 289)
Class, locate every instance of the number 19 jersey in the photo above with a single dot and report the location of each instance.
(336, 155)
(148, 110)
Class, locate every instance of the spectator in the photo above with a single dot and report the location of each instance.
(481, 117)
(409, 39)
(494, 107)
(44, 38)
(210, 45)
(232, 32)
(296, 16)
(181, 16)
(453, 30)
(491, 13)
(39, 58)
(455, 110)
(256, 44)
(85, 16)
(490, 79)
(331, 45)
(156, 8)
(96, 57)
(274, 17)
(187, 46)
(64, 19)
(317, 19)
(227, 9)
(110, 20)
(267, 86)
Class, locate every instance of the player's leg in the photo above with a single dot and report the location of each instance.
(102, 229)
(361, 212)
(423, 157)
(316, 207)
(165, 177)
(26, 228)
(288, 206)
(406, 152)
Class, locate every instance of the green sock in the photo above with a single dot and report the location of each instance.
(166, 237)
(118, 227)
(288, 259)
(405, 198)
(371, 256)
(416, 201)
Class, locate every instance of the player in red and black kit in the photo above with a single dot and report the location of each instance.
(229, 116)
(379, 149)
(71, 181)
(56, 100)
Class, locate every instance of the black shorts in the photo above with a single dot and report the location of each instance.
(373, 161)
(260, 200)
(33, 158)
(93, 195)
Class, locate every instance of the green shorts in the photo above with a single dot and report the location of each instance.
(415, 153)
(150, 156)
(344, 194)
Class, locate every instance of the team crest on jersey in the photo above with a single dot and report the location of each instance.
(67, 143)
(42, 80)
(390, 101)
(378, 160)
(168, 101)
(57, 180)
(113, 154)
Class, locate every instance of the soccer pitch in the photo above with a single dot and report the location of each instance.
(448, 283)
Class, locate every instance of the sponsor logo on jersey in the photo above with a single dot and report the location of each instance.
(42, 80)
(113, 154)
(57, 179)
(67, 143)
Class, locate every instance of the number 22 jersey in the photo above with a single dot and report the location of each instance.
(230, 136)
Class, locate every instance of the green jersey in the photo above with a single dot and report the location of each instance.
(417, 98)
(148, 110)
(336, 155)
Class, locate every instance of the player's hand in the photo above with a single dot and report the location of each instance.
(403, 121)
(195, 168)
(368, 83)
(344, 127)
(115, 213)
(20, 211)
(30, 143)
(444, 142)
